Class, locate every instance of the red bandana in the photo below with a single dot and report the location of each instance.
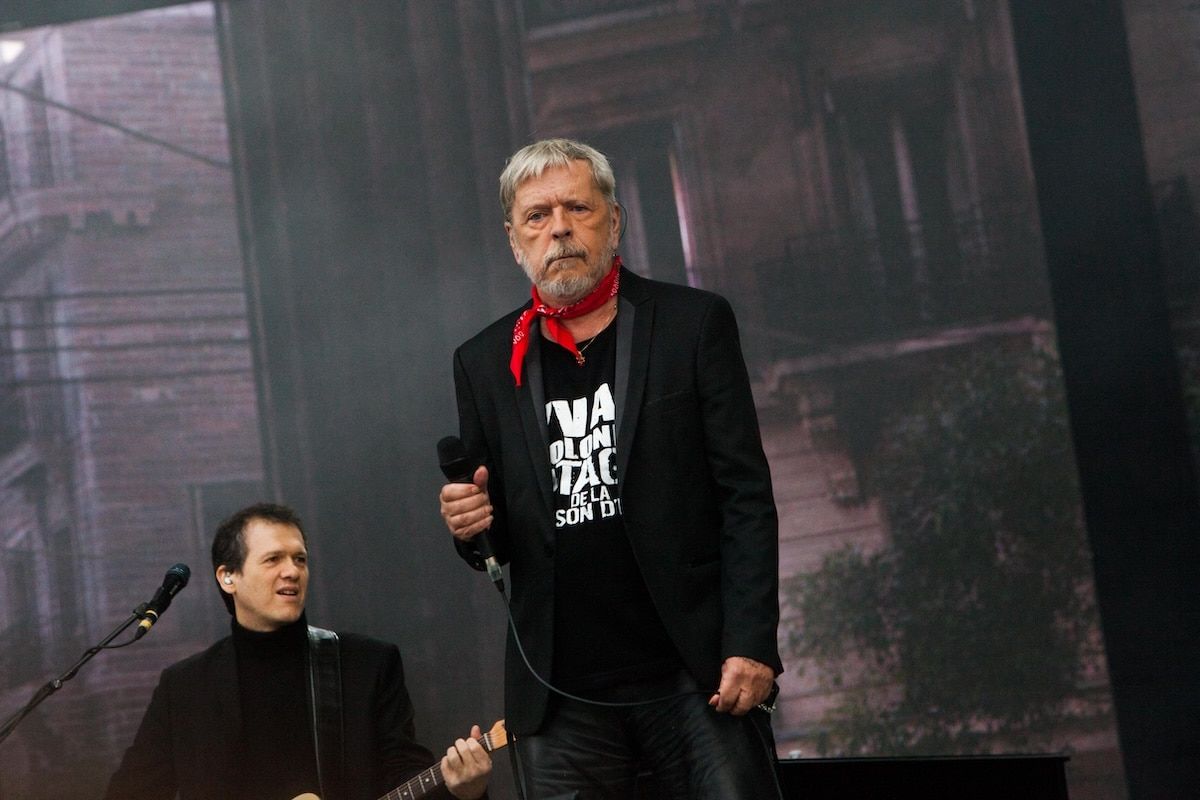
(604, 291)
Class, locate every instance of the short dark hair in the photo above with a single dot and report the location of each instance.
(229, 544)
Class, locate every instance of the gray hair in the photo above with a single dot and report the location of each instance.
(534, 159)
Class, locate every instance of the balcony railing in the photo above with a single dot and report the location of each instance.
(839, 286)
(539, 13)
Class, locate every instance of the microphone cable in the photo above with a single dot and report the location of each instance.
(512, 625)
(767, 706)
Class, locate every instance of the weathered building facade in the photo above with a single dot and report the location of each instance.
(853, 176)
(129, 414)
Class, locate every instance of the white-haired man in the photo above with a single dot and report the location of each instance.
(624, 482)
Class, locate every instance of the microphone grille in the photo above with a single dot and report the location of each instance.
(451, 449)
(181, 572)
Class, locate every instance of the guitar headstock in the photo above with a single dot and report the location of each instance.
(495, 738)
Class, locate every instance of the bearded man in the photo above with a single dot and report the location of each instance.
(624, 483)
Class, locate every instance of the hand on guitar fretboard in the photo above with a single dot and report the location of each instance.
(429, 779)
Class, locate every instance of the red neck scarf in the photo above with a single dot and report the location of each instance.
(604, 291)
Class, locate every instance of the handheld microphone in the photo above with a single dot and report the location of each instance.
(459, 468)
(175, 579)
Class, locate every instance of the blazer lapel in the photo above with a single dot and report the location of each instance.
(531, 404)
(635, 320)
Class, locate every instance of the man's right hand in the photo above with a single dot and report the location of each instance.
(466, 507)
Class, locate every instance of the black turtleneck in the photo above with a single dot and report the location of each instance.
(275, 746)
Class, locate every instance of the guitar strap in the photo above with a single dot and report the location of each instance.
(325, 700)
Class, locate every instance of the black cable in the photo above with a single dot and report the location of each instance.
(767, 706)
(131, 377)
(605, 703)
(123, 294)
(108, 123)
(49, 688)
(119, 322)
(125, 347)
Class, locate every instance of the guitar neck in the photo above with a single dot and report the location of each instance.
(419, 786)
(430, 779)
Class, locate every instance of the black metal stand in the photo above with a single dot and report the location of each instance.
(53, 686)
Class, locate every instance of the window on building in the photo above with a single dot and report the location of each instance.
(66, 572)
(211, 504)
(41, 160)
(12, 405)
(20, 642)
(5, 176)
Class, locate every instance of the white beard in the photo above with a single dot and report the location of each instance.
(567, 288)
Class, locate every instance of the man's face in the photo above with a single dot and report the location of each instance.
(268, 592)
(563, 232)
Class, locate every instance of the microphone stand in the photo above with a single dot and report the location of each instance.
(53, 686)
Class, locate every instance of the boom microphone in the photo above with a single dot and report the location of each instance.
(460, 468)
(175, 579)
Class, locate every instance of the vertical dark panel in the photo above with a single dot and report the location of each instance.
(360, 184)
(1138, 480)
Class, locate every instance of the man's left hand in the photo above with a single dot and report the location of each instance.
(744, 684)
(466, 767)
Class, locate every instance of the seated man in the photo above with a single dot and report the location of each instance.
(238, 721)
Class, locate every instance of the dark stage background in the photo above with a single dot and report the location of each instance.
(239, 242)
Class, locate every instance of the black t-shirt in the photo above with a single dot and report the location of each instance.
(606, 630)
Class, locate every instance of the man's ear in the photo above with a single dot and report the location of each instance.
(512, 240)
(225, 579)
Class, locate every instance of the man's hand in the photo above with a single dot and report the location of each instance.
(466, 507)
(744, 684)
(466, 767)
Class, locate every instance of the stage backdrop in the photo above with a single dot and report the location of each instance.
(239, 242)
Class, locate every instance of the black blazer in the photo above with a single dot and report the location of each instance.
(695, 487)
(187, 736)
